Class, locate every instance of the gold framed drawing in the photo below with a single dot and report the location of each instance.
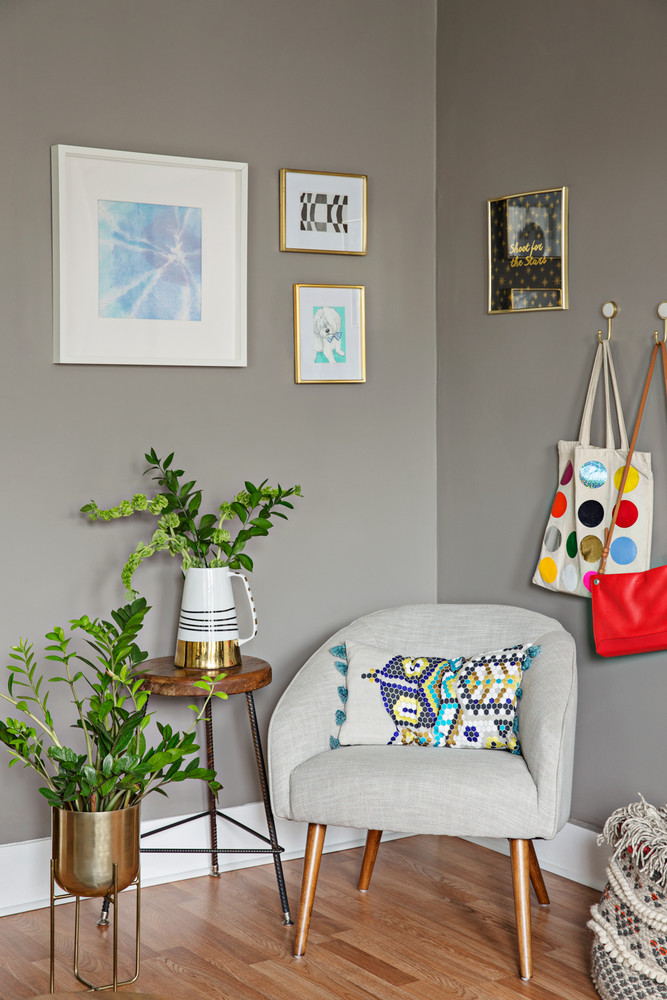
(329, 333)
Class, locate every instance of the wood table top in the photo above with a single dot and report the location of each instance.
(161, 676)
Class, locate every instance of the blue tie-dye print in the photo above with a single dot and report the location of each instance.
(150, 261)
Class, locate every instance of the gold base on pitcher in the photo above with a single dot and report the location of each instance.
(209, 656)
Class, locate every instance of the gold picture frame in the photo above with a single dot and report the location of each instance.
(329, 333)
(323, 212)
(528, 251)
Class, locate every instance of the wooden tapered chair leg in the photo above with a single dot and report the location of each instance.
(373, 838)
(536, 876)
(520, 855)
(311, 869)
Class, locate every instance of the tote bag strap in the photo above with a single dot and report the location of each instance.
(611, 376)
(603, 364)
(635, 434)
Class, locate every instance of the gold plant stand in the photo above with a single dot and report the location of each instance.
(77, 996)
(112, 897)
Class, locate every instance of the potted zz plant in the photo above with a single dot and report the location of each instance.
(208, 636)
(96, 787)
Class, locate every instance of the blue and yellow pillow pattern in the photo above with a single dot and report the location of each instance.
(479, 703)
(429, 700)
(386, 698)
(410, 689)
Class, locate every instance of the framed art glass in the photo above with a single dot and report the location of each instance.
(528, 251)
(322, 213)
(149, 258)
(329, 333)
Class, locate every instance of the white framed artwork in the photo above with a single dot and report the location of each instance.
(149, 258)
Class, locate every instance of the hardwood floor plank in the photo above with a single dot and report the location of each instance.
(339, 967)
(388, 972)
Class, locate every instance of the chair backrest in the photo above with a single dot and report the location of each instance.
(452, 629)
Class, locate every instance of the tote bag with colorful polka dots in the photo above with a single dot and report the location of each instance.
(588, 481)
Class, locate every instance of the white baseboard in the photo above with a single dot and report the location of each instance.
(24, 867)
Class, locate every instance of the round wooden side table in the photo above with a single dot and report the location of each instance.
(161, 677)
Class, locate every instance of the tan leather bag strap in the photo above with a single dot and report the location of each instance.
(635, 434)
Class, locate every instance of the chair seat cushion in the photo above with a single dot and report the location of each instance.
(415, 789)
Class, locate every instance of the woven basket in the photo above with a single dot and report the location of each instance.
(629, 957)
(614, 981)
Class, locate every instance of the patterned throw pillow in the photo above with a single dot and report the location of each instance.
(479, 702)
(388, 698)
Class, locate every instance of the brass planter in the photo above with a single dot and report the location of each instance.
(86, 845)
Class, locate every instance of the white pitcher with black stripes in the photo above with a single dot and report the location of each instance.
(208, 631)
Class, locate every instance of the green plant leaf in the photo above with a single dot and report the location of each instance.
(261, 522)
(63, 754)
(51, 797)
(89, 774)
(240, 511)
(156, 761)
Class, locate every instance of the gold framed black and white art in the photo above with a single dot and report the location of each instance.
(322, 213)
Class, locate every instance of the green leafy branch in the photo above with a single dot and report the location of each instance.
(199, 539)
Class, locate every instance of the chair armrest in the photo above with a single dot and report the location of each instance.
(308, 708)
(547, 718)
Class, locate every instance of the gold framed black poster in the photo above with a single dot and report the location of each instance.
(528, 251)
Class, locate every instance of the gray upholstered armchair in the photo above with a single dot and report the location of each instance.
(475, 793)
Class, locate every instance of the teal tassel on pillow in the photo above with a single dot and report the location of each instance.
(531, 652)
(340, 656)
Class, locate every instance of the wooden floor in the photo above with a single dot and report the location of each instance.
(437, 922)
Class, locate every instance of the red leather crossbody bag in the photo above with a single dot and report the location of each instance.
(630, 609)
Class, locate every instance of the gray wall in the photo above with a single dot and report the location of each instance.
(552, 94)
(298, 83)
(533, 97)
